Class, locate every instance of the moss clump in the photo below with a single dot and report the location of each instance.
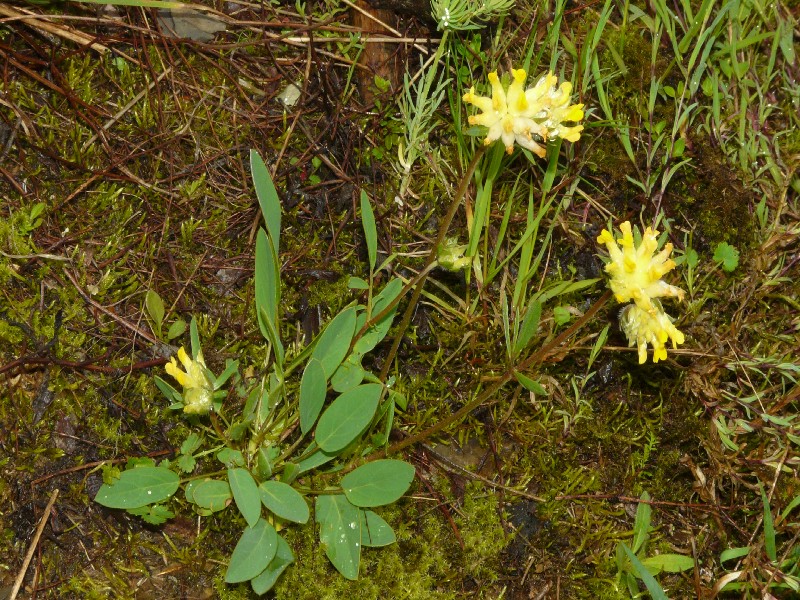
(714, 198)
(426, 563)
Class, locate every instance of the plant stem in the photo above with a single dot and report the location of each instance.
(536, 357)
(423, 276)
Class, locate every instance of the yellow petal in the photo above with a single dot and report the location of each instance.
(172, 369)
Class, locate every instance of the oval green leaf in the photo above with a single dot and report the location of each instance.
(340, 533)
(284, 501)
(375, 532)
(313, 388)
(347, 417)
(671, 563)
(139, 487)
(377, 331)
(283, 558)
(211, 494)
(349, 374)
(377, 483)
(255, 550)
(245, 493)
(334, 342)
(155, 309)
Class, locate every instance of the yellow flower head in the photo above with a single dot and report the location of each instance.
(636, 271)
(198, 389)
(516, 114)
(642, 328)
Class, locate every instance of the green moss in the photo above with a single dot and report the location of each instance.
(425, 563)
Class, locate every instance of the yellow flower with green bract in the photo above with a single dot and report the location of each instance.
(642, 327)
(636, 272)
(516, 114)
(198, 390)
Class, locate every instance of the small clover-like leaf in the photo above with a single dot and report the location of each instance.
(727, 255)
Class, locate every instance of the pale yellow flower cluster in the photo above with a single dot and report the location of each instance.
(198, 389)
(636, 273)
(517, 114)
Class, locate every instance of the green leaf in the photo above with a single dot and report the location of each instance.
(169, 392)
(265, 460)
(400, 400)
(284, 501)
(375, 532)
(177, 329)
(194, 338)
(357, 283)
(254, 551)
(530, 323)
(317, 459)
(732, 553)
(769, 529)
(380, 438)
(671, 563)
(267, 197)
(340, 533)
(157, 514)
(334, 342)
(230, 457)
(282, 559)
(370, 231)
(313, 388)
(290, 472)
(267, 290)
(138, 487)
(376, 332)
(641, 526)
(211, 494)
(245, 493)
(561, 315)
(231, 367)
(186, 463)
(642, 573)
(155, 310)
(349, 374)
(192, 442)
(529, 384)
(790, 507)
(347, 417)
(727, 255)
(378, 482)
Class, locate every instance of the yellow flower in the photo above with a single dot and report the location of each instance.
(636, 271)
(516, 114)
(198, 389)
(642, 328)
